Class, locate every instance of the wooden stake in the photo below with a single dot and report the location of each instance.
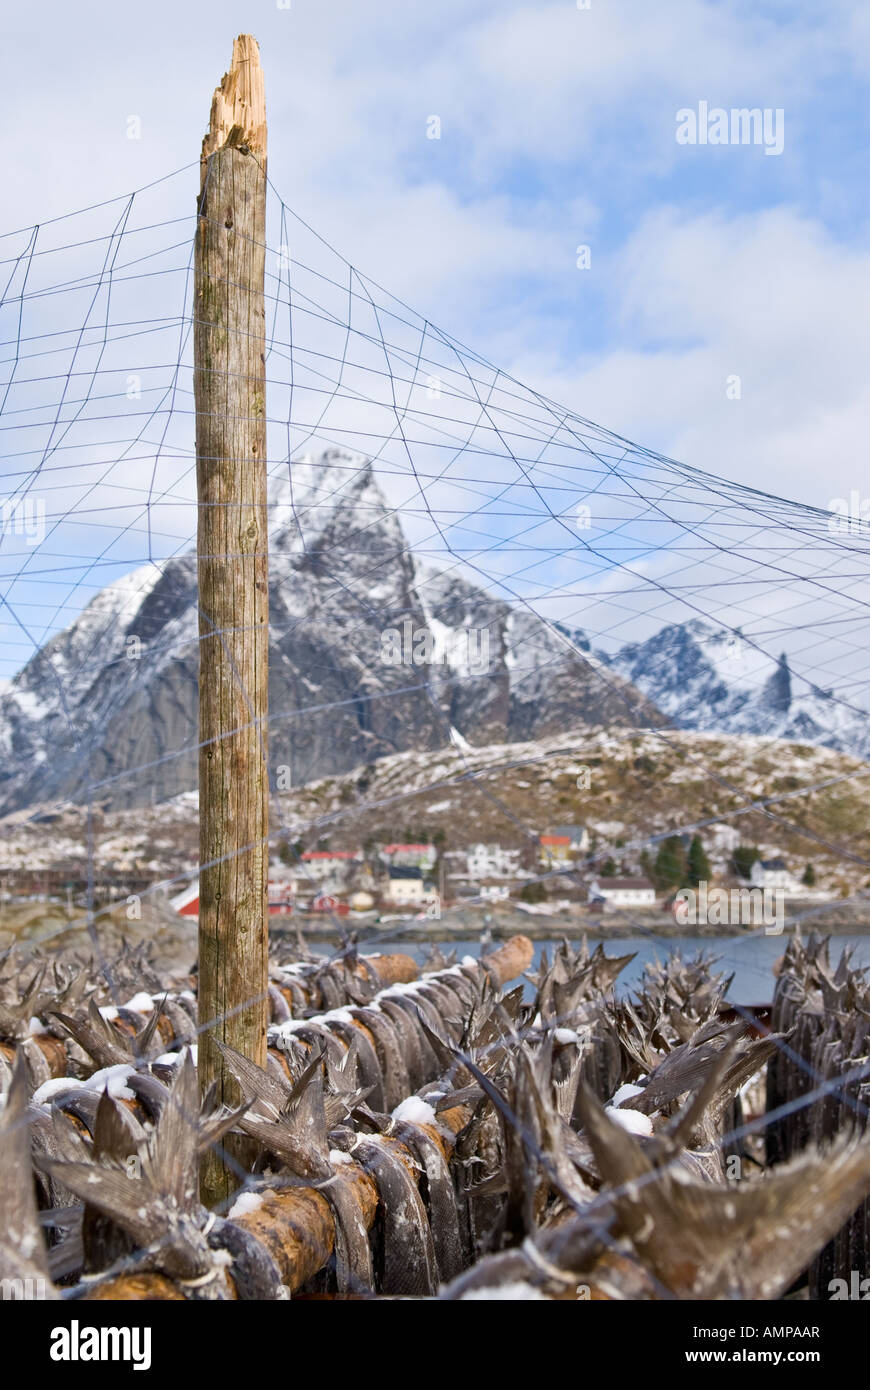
(230, 391)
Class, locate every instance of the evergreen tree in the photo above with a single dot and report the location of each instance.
(670, 866)
(743, 859)
(697, 865)
(533, 893)
(809, 876)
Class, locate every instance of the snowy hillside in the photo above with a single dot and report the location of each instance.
(641, 786)
(704, 677)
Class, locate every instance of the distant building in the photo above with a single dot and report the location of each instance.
(491, 861)
(773, 873)
(577, 834)
(186, 903)
(623, 892)
(564, 843)
(282, 896)
(328, 865)
(409, 856)
(407, 887)
(556, 849)
(327, 902)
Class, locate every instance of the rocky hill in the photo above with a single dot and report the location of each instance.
(641, 785)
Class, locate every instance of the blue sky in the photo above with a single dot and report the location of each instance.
(557, 129)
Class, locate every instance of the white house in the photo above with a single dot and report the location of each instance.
(408, 888)
(623, 892)
(329, 869)
(491, 861)
(773, 873)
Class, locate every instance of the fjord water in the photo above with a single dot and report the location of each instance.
(750, 958)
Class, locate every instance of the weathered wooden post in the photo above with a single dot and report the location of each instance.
(232, 545)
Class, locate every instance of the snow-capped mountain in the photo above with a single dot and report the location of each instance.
(370, 654)
(708, 678)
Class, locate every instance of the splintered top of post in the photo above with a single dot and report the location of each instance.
(238, 107)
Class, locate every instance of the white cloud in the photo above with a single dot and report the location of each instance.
(769, 297)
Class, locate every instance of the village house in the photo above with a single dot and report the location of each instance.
(327, 869)
(622, 892)
(186, 903)
(564, 844)
(282, 897)
(333, 873)
(406, 887)
(491, 861)
(773, 873)
(328, 902)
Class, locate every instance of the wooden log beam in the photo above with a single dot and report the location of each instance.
(147, 1287)
(296, 1225)
(395, 969)
(509, 961)
(232, 556)
(503, 965)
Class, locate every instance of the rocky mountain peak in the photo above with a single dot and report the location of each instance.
(95, 711)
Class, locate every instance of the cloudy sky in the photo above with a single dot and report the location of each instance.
(557, 130)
